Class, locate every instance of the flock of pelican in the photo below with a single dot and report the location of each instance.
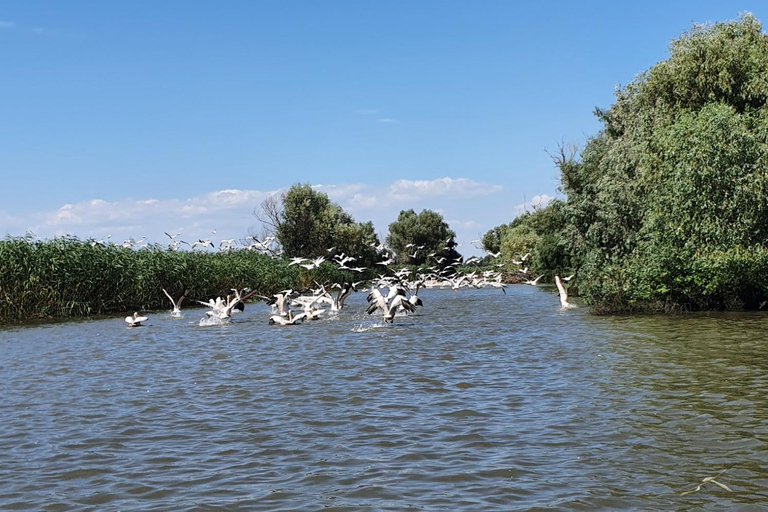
(392, 293)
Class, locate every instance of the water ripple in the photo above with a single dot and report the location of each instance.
(482, 401)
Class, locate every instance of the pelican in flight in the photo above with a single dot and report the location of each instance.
(533, 282)
(135, 320)
(564, 304)
(176, 312)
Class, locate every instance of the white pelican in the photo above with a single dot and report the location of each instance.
(564, 304)
(176, 312)
(377, 301)
(135, 320)
(533, 282)
(290, 319)
(202, 243)
(313, 263)
(281, 300)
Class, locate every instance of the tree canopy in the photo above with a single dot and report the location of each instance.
(413, 237)
(668, 205)
(540, 234)
(308, 224)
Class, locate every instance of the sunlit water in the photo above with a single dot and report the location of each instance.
(480, 402)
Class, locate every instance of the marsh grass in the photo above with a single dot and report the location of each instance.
(69, 277)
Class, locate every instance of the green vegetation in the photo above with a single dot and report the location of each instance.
(70, 277)
(413, 237)
(668, 205)
(307, 223)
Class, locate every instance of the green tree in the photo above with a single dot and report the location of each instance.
(308, 224)
(540, 233)
(668, 205)
(413, 237)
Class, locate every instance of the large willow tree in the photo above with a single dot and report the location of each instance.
(668, 204)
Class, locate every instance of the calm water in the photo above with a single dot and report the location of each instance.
(482, 401)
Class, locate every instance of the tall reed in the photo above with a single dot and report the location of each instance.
(66, 276)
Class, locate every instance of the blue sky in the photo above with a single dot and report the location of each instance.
(134, 118)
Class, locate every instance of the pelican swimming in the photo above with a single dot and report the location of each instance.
(281, 300)
(289, 319)
(135, 320)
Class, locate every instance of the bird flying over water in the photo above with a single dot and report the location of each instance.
(176, 312)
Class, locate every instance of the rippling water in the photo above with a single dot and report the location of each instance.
(481, 401)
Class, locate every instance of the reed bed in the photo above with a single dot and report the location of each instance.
(67, 277)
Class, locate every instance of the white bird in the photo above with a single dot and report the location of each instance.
(135, 320)
(566, 279)
(176, 312)
(564, 304)
(202, 243)
(377, 301)
(222, 309)
(343, 260)
(709, 479)
(313, 263)
(494, 254)
(290, 319)
(533, 282)
(280, 301)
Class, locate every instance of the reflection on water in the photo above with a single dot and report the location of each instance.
(480, 401)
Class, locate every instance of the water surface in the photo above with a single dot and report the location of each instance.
(480, 401)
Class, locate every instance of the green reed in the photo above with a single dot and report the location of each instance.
(66, 277)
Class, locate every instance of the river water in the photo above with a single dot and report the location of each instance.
(479, 402)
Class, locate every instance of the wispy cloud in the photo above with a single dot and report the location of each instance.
(407, 190)
(386, 120)
(362, 197)
(536, 202)
(7, 24)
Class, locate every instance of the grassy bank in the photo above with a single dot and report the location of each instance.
(66, 277)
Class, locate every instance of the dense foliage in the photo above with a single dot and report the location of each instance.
(310, 224)
(414, 237)
(668, 205)
(539, 234)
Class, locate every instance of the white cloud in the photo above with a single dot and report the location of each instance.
(230, 212)
(7, 24)
(386, 120)
(472, 208)
(536, 202)
(405, 190)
